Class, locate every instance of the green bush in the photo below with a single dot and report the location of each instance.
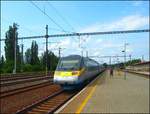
(36, 67)
(8, 67)
(27, 68)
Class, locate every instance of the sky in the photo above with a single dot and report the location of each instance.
(81, 16)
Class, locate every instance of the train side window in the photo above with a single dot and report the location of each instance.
(82, 63)
(86, 63)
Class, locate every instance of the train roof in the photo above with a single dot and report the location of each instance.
(73, 57)
(77, 57)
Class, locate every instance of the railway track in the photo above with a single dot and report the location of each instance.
(20, 77)
(23, 89)
(14, 101)
(48, 104)
(12, 87)
(24, 80)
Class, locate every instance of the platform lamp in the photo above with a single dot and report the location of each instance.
(124, 51)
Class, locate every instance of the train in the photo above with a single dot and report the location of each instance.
(73, 71)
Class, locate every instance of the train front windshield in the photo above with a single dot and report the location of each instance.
(68, 65)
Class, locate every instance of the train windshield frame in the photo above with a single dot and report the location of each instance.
(66, 64)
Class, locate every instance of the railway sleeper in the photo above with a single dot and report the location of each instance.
(31, 112)
(45, 105)
(39, 110)
(43, 108)
(51, 102)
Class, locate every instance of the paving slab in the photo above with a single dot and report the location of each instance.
(112, 95)
(118, 95)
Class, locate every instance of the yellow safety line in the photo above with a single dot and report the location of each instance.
(86, 100)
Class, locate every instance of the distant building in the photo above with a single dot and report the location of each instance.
(143, 66)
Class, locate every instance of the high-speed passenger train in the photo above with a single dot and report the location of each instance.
(74, 70)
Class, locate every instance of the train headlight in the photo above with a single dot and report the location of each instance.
(75, 72)
(57, 73)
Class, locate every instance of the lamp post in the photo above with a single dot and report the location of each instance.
(125, 59)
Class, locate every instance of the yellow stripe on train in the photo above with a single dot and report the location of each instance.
(69, 73)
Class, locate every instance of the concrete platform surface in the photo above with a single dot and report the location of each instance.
(112, 95)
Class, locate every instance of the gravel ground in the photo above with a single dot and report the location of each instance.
(7, 88)
(11, 104)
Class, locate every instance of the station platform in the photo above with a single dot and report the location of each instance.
(111, 95)
(140, 73)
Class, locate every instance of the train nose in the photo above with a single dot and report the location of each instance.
(67, 79)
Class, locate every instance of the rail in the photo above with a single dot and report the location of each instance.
(48, 104)
(23, 89)
(9, 83)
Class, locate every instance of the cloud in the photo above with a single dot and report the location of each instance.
(105, 47)
(124, 23)
(99, 46)
(130, 22)
(65, 43)
(137, 3)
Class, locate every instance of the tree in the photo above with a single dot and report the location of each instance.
(2, 62)
(12, 35)
(32, 59)
(105, 65)
(134, 61)
(28, 56)
(52, 60)
(128, 63)
(34, 53)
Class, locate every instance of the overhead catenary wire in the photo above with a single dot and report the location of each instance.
(61, 16)
(87, 33)
(47, 15)
(60, 30)
(64, 19)
(21, 27)
(100, 33)
(115, 56)
(31, 31)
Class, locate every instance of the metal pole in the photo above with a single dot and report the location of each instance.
(79, 42)
(46, 36)
(142, 58)
(118, 62)
(59, 52)
(51, 58)
(86, 53)
(82, 52)
(22, 58)
(14, 71)
(80, 46)
(130, 57)
(0, 49)
(110, 61)
(125, 61)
